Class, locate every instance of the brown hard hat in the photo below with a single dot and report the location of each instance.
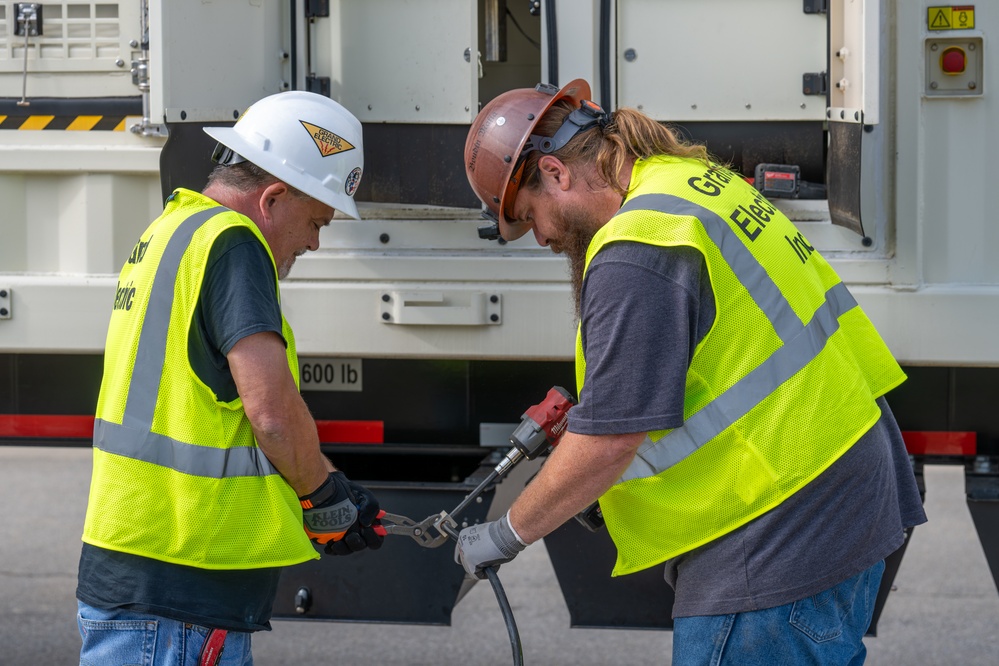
(498, 136)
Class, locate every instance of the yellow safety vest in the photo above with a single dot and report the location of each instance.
(781, 386)
(178, 475)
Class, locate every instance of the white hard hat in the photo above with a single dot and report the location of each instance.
(306, 140)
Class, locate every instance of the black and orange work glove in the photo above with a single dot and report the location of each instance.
(341, 516)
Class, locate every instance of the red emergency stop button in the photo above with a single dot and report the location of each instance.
(953, 61)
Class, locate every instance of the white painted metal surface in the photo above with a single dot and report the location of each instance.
(578, 44)
(210, 60)
(402, 61)
(719, 59)
(854, 27)
(76, 201)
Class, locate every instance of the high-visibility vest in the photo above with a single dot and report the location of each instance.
(781, 386)
(177, 474)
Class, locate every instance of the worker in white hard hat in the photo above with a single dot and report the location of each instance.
(731, 419)
(207, 464)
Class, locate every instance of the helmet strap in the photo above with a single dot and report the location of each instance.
(581, 119)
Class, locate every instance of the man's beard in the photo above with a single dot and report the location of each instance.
(576, 229)
(285, 267)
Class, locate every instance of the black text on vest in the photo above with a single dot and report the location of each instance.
(139, 251)
(800, 247)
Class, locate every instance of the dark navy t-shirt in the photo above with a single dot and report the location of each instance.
(238, 298)
(644, 309)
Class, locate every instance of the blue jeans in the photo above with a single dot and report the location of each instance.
(827, 628)
(122, 637)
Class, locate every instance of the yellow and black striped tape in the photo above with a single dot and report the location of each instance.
(80, 114)
(72, 123)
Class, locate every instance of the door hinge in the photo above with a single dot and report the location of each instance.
(317, 8)
(318, 84)
(816, 7)
(815, 83)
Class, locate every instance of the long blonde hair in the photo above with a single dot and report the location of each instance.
(628, 133)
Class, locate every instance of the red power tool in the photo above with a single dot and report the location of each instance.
(540, 429)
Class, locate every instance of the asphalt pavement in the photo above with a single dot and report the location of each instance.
(945, 609)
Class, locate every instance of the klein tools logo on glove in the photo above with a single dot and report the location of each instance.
(330, 521)
(341, 515)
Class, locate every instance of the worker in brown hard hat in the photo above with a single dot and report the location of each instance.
(731, 418)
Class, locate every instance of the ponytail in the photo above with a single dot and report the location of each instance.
(627, 134)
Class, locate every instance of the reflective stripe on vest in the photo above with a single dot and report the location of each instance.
(179, 456)
(747, 268)
(802, 343)
(133, 437)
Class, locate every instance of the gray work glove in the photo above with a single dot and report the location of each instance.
(486, 545)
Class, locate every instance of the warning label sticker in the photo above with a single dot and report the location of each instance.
(961, 17)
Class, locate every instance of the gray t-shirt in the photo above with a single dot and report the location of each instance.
(643, 302)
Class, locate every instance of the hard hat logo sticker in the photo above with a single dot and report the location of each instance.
(353, 180)
(327, 142)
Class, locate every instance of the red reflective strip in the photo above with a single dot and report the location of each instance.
(351, 432)
(46, 425)
(64, 426)
(782, 175)
(940, 443)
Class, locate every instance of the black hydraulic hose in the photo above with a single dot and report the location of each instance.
(511, 623)
(504, 604)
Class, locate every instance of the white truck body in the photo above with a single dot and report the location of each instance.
(896, 97)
